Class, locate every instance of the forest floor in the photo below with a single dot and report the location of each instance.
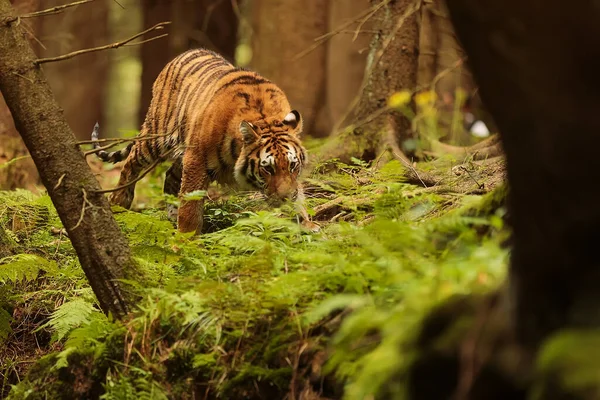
(255, 308)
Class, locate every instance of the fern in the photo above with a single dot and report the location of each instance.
(143, 387)
(67, 317)
(24, 267)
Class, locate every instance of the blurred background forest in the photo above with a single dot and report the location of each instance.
(319, 51)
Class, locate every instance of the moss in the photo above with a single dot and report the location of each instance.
(251, 308)
(568, 366)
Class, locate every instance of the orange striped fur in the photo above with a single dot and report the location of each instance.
(218, 123)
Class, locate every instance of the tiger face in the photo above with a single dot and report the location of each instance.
(272, 157)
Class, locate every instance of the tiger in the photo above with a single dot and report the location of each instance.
(216, 123)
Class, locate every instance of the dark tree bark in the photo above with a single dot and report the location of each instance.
(392, 66)
(102, 250)
(282, 31)
(542, 86)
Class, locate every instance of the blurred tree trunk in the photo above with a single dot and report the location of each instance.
(22, 173)
(442, 68)
(79, 83)
(101, 248)
(282, 32)
(154, 54)
(542, 89)
(392, 66)
(211, 24)
(346, 59)
(17, 170)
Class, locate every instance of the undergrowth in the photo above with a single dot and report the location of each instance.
(255, 307)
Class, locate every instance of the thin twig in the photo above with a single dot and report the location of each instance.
(122, 140)
(59, 181)
(54, 10)
(106, 47)
(136, 180)
(147, 40)
(479, 185)
(360, 18)
(370, 68)
(83, 207)
(139, 178)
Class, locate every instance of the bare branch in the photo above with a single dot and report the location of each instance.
(360, 18)
(139, 178)
(54, 10)
(107, 47)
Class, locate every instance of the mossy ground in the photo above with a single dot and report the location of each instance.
(255, 307)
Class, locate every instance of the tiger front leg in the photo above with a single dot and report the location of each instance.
(301, 210)
(172, 186)
(194, 177)
(129, 173)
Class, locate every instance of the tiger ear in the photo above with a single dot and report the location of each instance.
(248, 133)
(293, 119)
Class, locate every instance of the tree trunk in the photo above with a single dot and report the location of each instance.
(74, 29)
(282, 31)
(442, 68)
(102, 250)
(154, 54)
(22, 173)
(543, 90)
(392, 66)
(17, 170)
(346, 58)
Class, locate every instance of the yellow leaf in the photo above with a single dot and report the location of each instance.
(399, 99)
(425, 98)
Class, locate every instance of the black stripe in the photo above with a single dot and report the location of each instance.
(188, 95)
(243, 95)
(201, 86)
(233, 71)
(222, 162)
(233, 149)
(176, 63)
(245, 80)
(175, 80)
(204, 64)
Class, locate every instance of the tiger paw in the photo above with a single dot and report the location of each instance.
(310, 226)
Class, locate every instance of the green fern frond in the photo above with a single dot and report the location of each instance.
(68, 316)
(24, 267)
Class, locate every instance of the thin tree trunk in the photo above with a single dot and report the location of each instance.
(22, 173)
(392, 66)
(282, 31)
(346, 58)
(543, 90)
(155, 53)
(74, 29)
(102, 250)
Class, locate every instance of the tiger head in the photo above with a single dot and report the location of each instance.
(272, 157)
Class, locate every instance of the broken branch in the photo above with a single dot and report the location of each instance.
(53, 10)
(158, 26)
